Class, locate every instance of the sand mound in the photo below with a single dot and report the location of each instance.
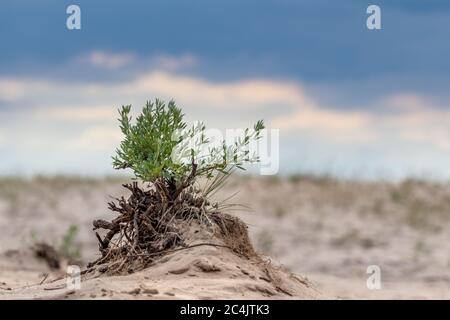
(209, 267)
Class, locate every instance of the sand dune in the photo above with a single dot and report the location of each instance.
(197, 272)
(326, 230)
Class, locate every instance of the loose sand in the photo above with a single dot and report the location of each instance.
(326, 232)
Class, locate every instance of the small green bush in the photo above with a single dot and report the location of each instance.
(164, 152)
(159, 146)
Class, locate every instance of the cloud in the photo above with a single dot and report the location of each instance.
(114, 61)
(10, 90)
(77, 113)
(107, 60)
(406, 102)
(14, 89)
(36, 90)
(95, 138)
(329, 124)
(405, 117)
(420, 120)
(238, 94)
(390, 125)
(249, 93)
(283, 104)
(169, 62)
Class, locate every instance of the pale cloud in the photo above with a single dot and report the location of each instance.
(413, 119)
(253, 93)
(77, 113)
(333, 125)
(407, 118)
(12, 89)
(408, 102)
(421, 121)
(169, 62)
(108, 60)
(238, 94)
(95, 138)
(439, 137)
(36, 89)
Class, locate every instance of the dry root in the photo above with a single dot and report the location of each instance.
(149, 225)
(234, 234)
(49, 254)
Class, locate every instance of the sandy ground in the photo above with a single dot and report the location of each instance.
(323, 230)
(202, 272)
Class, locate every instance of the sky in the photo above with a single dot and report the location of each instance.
(348, 101)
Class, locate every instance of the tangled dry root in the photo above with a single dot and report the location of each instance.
(234, 234)
(150, 224)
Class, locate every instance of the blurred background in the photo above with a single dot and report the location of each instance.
(349, 101)
(363, 116)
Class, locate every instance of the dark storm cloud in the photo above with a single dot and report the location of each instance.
(318, 42)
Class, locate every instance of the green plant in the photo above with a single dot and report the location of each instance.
(58, 251)
(160, 147)
(67, 247)
(168, 156)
